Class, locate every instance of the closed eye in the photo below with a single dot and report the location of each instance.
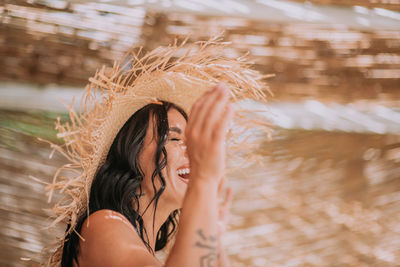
(175, 139)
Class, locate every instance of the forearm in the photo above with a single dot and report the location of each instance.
(196, 242)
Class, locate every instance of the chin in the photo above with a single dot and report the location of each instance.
(175, 190)
(179, 196)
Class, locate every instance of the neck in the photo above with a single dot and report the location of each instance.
(160, 217)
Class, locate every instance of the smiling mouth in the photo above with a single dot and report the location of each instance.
(183, 173)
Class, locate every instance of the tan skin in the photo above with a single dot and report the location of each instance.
(110, 239)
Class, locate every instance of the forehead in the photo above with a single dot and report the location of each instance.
(176, 124)
(176, 119)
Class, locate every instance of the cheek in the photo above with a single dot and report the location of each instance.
(173, 154)
(146, 161)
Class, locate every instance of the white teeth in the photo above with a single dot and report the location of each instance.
(183, 171)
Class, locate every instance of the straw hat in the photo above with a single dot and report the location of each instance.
(178, 73)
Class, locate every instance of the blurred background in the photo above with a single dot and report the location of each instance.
(326, 189)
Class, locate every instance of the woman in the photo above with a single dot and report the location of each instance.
(150, 150)
(155, 173)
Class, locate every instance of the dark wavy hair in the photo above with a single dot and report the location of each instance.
(118, 181)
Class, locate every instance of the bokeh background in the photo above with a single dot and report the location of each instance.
(325, 190)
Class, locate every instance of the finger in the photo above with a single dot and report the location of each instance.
(192, 128)
(207, 105)
(221, 128)
(196, 107)
(221, 187)
(195, 118)
(216, 108)
(228, 198)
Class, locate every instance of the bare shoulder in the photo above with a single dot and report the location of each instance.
(111, 240)
(107, 220)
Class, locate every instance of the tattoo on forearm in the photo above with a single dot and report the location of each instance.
(209, 244)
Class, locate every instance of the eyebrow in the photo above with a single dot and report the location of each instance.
(175, 129)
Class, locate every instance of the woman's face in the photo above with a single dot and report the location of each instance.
(176, 171)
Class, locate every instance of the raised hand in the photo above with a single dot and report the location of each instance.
(205, 135)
